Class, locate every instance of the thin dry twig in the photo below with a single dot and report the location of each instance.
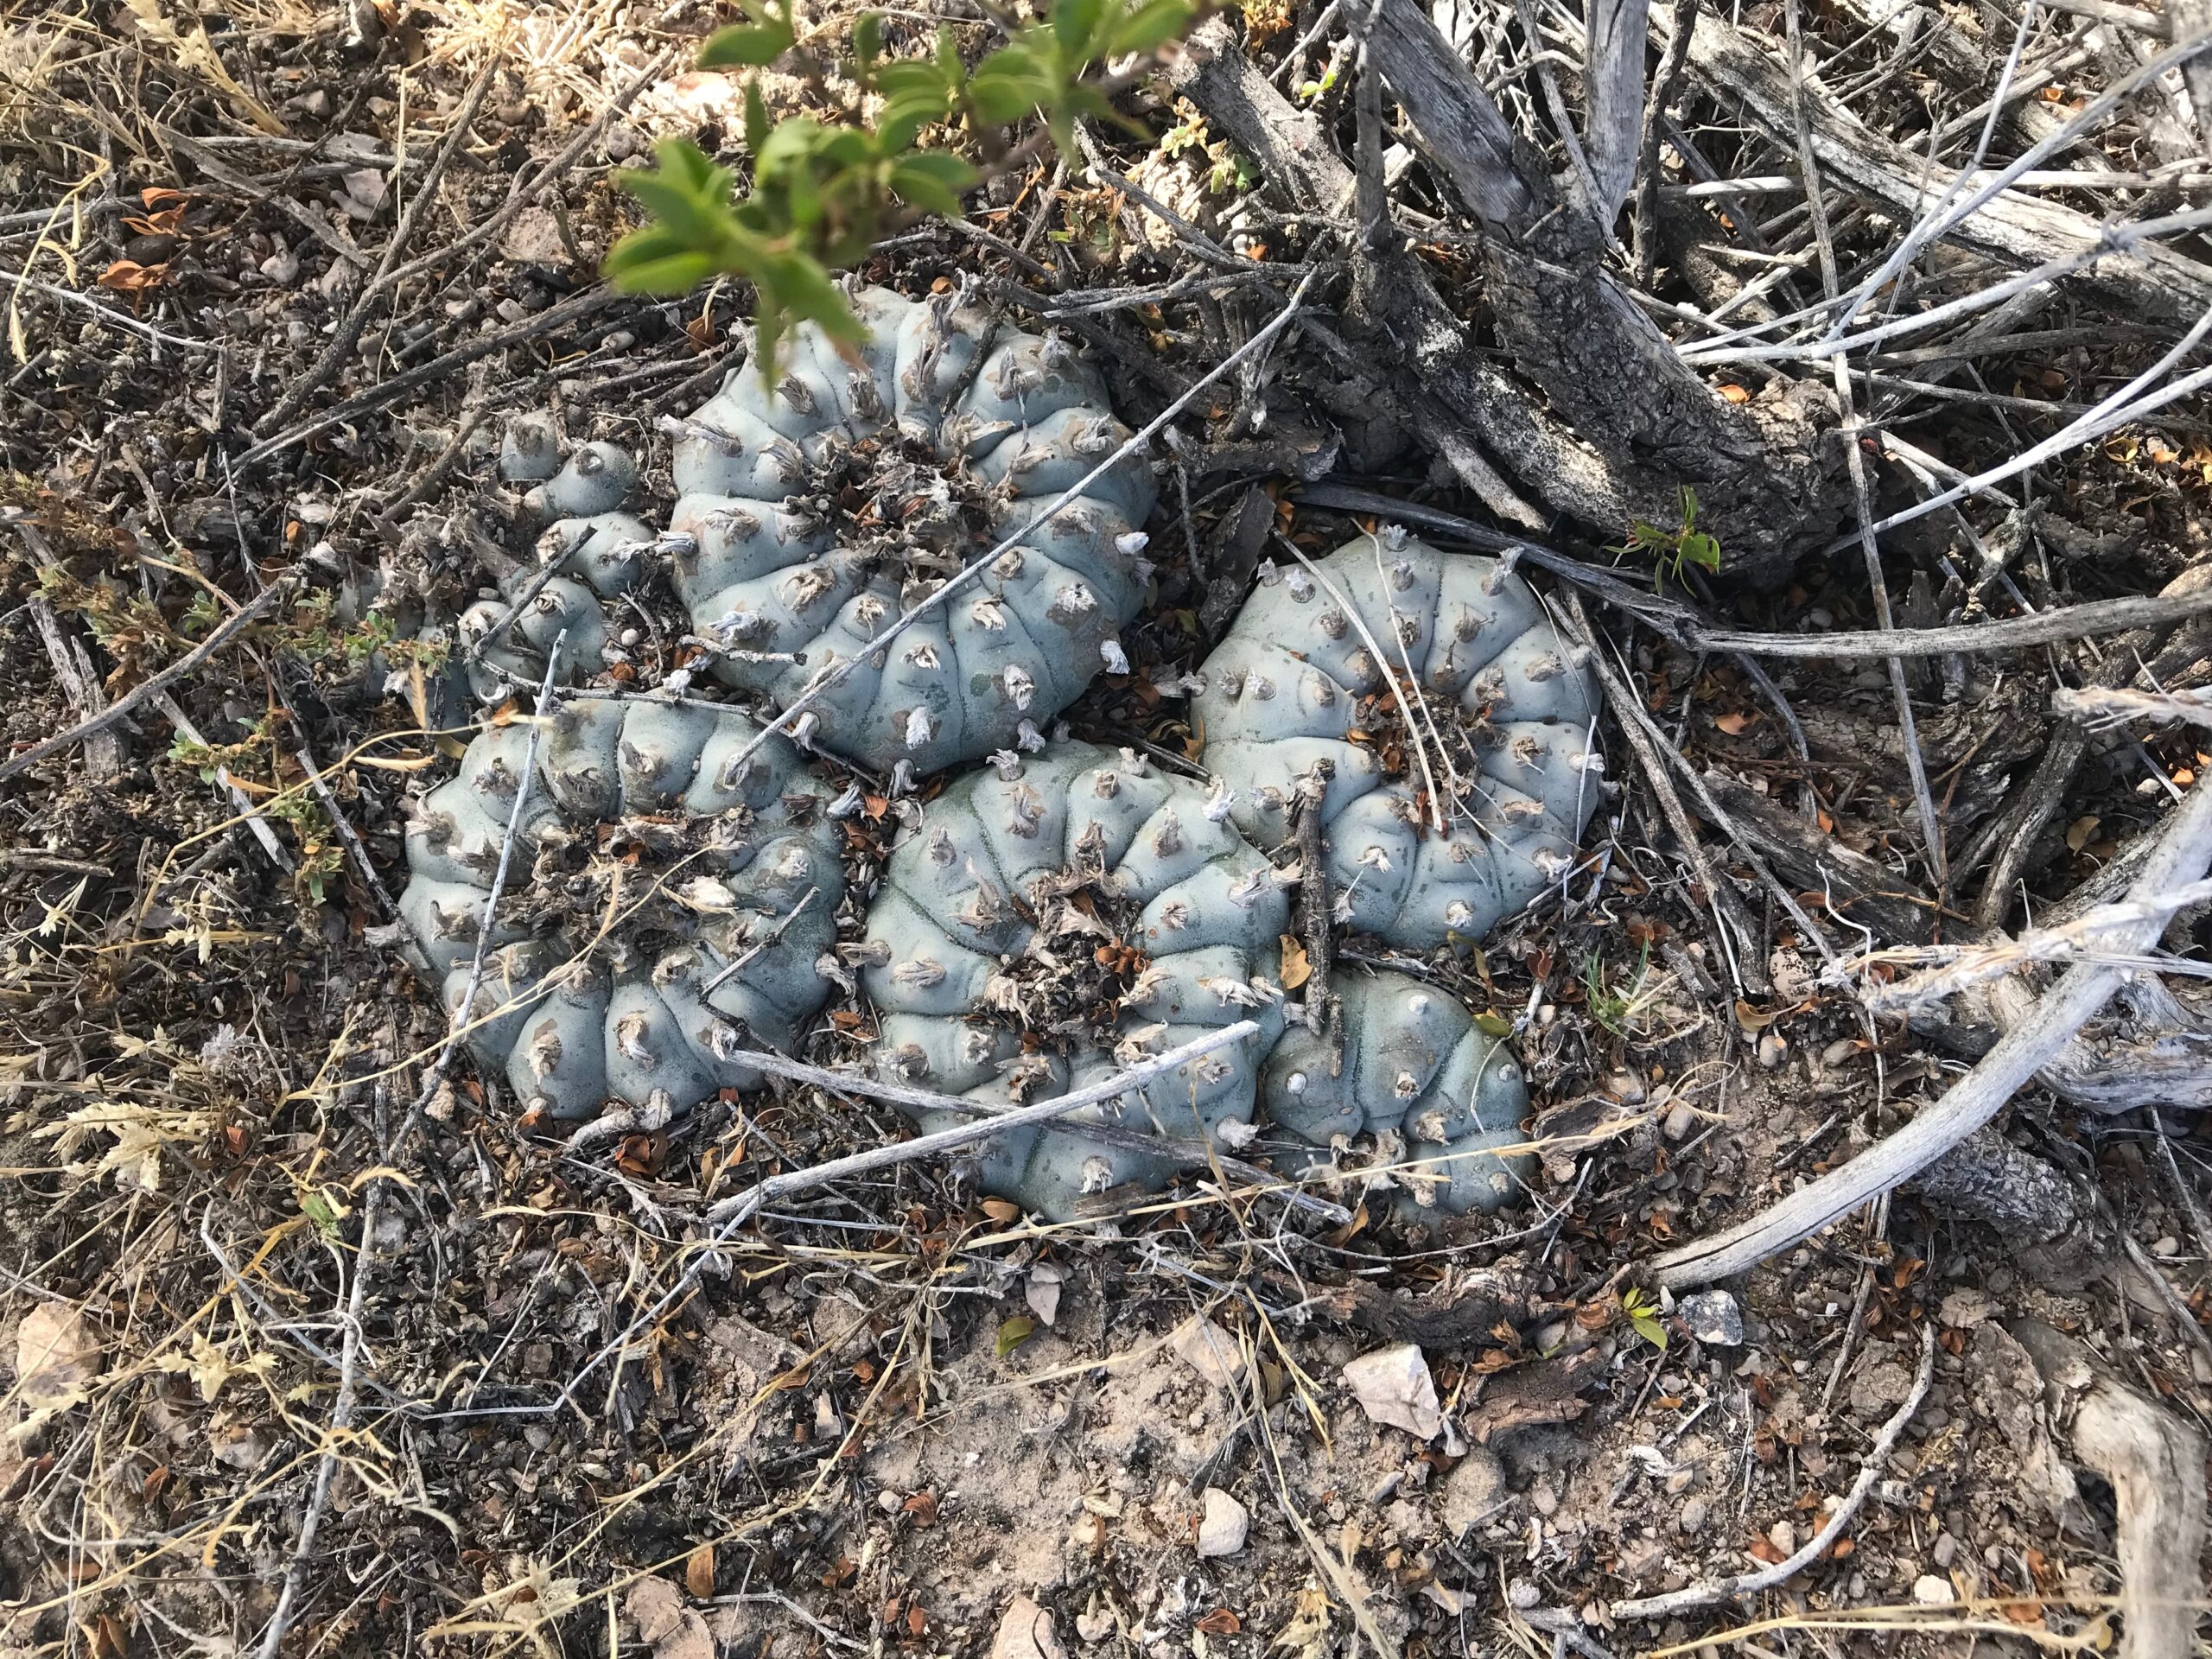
(1750, 1584)
(154, 685)
(2184, 850)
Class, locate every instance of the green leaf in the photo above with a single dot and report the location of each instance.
(324, 1214)
(689, 193)
(868, 39)
(1004, 93)
(801, 283)
(904, 76)
(1016, 1332)
(756, 119)
(1151, 25)
(744, 46)
(1650, 1329)
(903, 119)
(1702, 549)
(1493, 1025)
(1074, 23)
(634, 270)
(933, 181)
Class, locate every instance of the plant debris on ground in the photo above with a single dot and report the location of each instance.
(1836, 372)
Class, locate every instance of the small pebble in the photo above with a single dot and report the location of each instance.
(1772, 1049)
(1679, 1122)
(1931, 1591)
(1223, 1530)
(1474, 1488)
(1839, 1051)
(1946, 1550)
(1712, 1317)
(1026, 1632)
(2169, 1246)
(1693, 1517)
(1781, 1537)
(1523, 1594)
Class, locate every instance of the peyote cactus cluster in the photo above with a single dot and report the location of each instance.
(1310, 692)
(1056, 916)
(1052, 920)
(755, 905)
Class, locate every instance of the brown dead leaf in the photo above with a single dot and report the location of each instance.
(699, 1572)
(1751, 1020)
(57, 1355)
(1763, 1547)
(1736, 724)
(129, 277)
(1220, 1622)
(1296, 970)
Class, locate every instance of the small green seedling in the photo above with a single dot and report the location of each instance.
(1641, 1309)
(825, 191)
(1671, 549)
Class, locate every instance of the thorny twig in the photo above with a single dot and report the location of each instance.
(2185, 848)
(2081, 938)
(1316, 917)
(1193, 1152)
(2101, 708)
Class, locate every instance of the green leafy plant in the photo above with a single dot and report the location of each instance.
(1619, 1009)
(1641, 1309)
(824, 191)
(1672, 547)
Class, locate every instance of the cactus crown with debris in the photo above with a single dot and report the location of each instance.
(1428, 705)
(1443, 1099)
(997, 912)
(812, 513)
(821, 510)
(602, 981)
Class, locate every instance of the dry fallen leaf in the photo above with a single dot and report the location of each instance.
(57, 1355)
(673, 1630)
(1296, 970)
(1736, 724)
(1042, 1291)
(129, 277)
(699, 1572)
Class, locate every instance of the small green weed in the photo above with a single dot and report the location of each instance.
(1673, 548)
